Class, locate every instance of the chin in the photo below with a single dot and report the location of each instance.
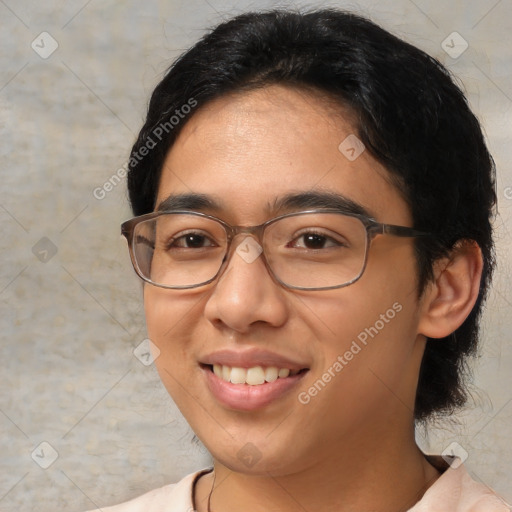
(249, 459)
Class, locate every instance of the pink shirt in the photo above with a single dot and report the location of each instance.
(453, 491)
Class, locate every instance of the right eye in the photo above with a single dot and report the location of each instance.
(190, 240)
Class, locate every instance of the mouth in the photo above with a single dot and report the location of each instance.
(250, 388)
(253, 376)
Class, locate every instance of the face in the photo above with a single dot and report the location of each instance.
(356, 347)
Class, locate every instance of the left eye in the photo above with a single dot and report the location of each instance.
(312, 240)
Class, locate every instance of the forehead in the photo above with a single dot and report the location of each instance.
(248, 149)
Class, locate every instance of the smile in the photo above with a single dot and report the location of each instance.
(253, 376)
(249, 389)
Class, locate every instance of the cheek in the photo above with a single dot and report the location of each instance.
(365, 362)
(358, 326)
(173, 325)
(171, 320)
(368, 329)
(169, 313)
(392, 266)
(390, 300)
(161, 311)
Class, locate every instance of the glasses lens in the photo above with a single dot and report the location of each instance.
(316, 250)
(179, 250)
(306, 250)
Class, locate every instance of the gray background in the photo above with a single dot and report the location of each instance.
(70, 306)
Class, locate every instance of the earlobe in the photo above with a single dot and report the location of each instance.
(450, 297)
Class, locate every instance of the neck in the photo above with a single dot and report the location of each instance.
(383, 476)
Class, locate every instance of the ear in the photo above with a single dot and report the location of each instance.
(450, 297)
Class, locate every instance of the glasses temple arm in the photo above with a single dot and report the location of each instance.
(391, 229)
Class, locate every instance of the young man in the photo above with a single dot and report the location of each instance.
(313, 201)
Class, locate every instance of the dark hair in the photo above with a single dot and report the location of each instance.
(411, 117)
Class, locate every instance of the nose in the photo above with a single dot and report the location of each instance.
(246, 293)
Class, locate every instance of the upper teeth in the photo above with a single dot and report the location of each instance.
(252, 376)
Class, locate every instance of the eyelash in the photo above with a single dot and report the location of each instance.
(309, 232)
(169, 244)
(312, 232)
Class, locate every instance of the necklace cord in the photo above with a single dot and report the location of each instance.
(211, 491)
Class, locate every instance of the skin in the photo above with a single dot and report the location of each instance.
(352, 446)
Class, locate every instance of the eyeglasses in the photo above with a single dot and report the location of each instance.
(308, 250)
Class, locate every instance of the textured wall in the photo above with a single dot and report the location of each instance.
(70, 306)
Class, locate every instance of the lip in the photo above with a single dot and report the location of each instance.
(244, 397)
(251, 357)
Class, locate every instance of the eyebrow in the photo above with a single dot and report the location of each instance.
(290, 202)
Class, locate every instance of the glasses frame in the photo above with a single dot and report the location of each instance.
(373, 228)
